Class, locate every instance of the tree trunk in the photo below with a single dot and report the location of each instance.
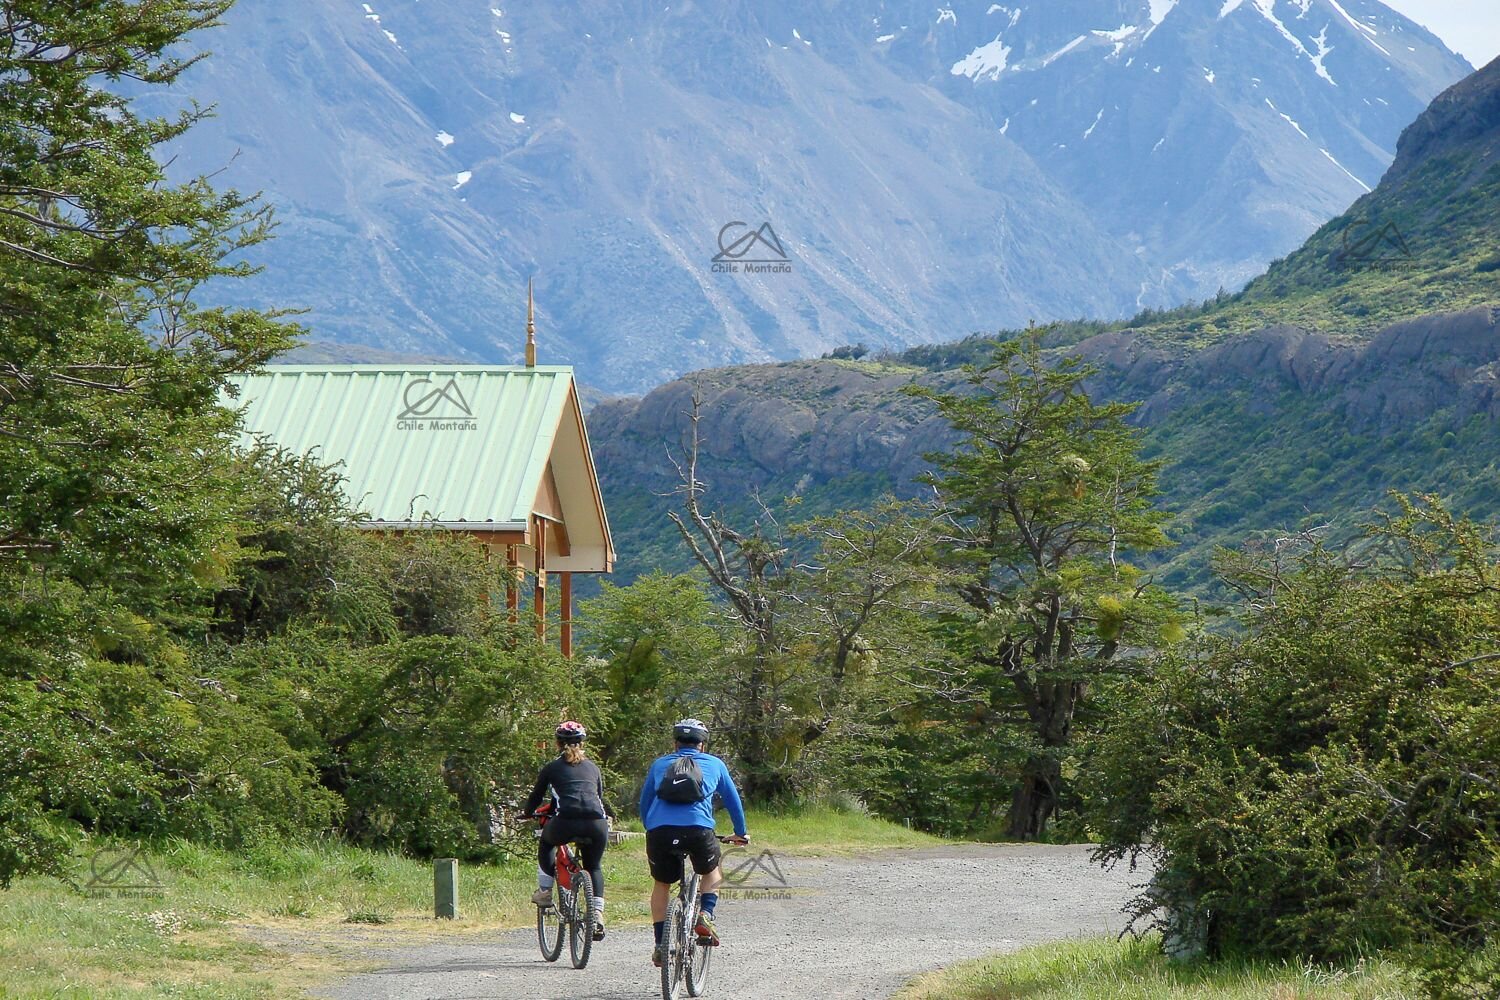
(1035, 799)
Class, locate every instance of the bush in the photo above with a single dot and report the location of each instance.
(1328, 779)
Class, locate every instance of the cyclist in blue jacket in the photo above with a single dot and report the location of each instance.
(683, 824)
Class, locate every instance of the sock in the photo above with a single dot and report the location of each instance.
(709, 900)
(543, 880)
(658, 928)
(599, 908)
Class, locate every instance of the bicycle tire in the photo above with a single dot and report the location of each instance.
(671, 966)
(549, 924)
(581, 926)
(696, 966)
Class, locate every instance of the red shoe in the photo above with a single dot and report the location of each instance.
(705, 930)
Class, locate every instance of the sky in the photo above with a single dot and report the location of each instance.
(1469, 27)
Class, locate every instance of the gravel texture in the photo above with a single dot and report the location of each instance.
(840, 927)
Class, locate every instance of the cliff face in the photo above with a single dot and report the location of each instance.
(830, 418)
(1435, 367)
(820, 419)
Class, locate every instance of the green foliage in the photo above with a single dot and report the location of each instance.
(1047, 496)
(116, 466)
(1327, 780)
(653, 644)
(384, 662)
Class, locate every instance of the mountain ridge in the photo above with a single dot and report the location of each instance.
(427, 159)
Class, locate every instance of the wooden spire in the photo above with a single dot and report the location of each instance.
(530, 328)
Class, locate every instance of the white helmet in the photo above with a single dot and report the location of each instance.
(690, 731)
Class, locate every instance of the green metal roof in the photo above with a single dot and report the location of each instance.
(459, 445)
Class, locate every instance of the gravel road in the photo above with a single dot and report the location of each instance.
(842, 927)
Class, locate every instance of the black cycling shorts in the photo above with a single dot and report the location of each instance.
(666, 845)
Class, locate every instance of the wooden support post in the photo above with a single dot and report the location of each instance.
(445, 888)
(565, 610)
(540, 600)
(512, 584)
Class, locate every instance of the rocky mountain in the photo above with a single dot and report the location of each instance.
(926, 169)
(1258, 430)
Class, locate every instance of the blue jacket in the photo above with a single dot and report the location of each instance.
(716, 780)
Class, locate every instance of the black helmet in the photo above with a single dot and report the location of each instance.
(690, 731)
(571, 732)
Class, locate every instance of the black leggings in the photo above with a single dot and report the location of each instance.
(563, 830)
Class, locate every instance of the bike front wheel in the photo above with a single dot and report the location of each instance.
(696, 963)
(581, 922)
(549, 931)
(672, 940)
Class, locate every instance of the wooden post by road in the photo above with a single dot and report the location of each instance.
(445, 888)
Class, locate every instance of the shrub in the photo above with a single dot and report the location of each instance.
(1328, 779)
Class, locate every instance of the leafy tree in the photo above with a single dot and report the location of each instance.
(115, 458)
(110, 375)
(1326, 781)
(654, 645)
(1046, 495)
(805, 625)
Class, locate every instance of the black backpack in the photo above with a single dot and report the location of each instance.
(682, 783)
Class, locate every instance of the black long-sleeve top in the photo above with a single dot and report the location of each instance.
(578, 789)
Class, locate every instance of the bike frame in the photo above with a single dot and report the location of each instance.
(681, 939)
(566, 866)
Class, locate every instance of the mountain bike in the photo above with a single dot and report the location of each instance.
(688, 955)
(573, 913)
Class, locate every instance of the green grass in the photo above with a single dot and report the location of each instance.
(824, 830)
(1104, 969)
(274, 919)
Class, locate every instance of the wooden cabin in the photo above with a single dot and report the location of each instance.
(497, 452)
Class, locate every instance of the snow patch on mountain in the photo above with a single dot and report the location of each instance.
(1289, 120)
(1064, 50)
(1119, 35)
(989, 60)
(1345, 169)
(1323, 49)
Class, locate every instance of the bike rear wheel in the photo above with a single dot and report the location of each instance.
(581, 922)
(549, 931)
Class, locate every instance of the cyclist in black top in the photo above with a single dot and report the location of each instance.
(579, 815)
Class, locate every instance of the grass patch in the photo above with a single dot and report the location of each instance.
(825, 829)
(1105, 969)
(271, 920)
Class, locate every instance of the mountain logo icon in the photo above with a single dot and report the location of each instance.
(764, 863)
(741, 240)
(1366, 243)
(422, 400)
(127, 870)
